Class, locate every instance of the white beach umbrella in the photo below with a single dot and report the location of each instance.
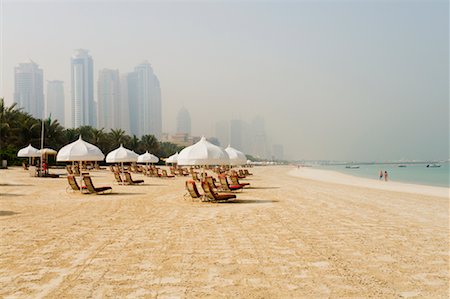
(121, 155)
(28, 152)
(203, 153)
(47, 152)
(236, 157)
(172, 159)
(147, 158)
(79, 150)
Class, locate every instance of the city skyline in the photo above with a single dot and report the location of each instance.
(333, 80)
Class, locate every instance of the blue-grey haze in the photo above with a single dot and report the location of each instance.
(342, 80)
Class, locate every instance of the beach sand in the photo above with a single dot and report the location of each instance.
(286, 237)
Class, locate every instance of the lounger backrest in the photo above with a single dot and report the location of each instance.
(73, 183)
(224, 183)
(208, 190)
(164, 172)
(195, 176)
(246, 172)
(192, 189)
(76, 170)
(117, 177)
(128, 178)
(234, 180)
(241, 172)
(89, 185)
(69, 169)
(210, 181)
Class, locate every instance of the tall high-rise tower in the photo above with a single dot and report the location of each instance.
(55, 101)
(184, 122)
(109, 100)
(29, 88)
(83, 105)
(144, 97)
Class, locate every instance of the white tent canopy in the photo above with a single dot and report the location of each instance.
(121, 155)
(236, 157)
(79, 150)
(147, 158)
(28, 152)
(172, 159)
(203, 153)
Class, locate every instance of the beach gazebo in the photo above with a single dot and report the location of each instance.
(237, 158)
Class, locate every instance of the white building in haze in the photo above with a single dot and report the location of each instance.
(109, 100)
(144, 98)
(82, 92)
(29, 88)
(55, 105)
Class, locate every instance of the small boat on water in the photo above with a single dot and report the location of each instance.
(352, 166)
(402, 165)
(433, 165)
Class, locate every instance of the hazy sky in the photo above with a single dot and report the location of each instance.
(365, 80)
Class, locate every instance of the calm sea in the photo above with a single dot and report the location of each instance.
(412, 173)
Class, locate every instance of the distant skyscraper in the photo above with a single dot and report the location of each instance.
(29, 88)
(109, 101)
(144, 98)
(278, 152)
(259, 138)
(55, 101)
(184, 122)
(83, 105)
(223, 133)
(236, 134)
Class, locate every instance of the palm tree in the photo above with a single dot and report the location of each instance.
(149, 143)
(53, 134)
(117, 137)
(134, 143)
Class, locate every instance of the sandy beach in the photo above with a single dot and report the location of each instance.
(286, 237)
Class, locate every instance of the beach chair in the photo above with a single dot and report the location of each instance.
(241, 174)
(246, 172)
(92, 189)
(235, 181)
(195, 176)
(166, 175)
(214, 196)
(24, 165)
(227, 187)
(211, 182)
(73, 185)
(191, 187)
(129, 179)
(69, 169)
(118, 177)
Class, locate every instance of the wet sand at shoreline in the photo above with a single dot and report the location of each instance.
(285, 237)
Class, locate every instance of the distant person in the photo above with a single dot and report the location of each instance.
(381, 174)
(385, 176)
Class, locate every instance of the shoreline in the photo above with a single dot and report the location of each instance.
(336, 177)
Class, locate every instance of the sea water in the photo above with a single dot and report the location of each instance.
(412, 173)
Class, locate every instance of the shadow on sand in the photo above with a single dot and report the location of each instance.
(7, 213)
(123, 194)
(262, 188)
(15, 185)
(248, 201)
(10, 194)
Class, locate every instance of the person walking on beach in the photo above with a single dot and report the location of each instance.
(381, 174)
(385, 176)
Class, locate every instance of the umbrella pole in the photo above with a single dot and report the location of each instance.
(81, 176)
(123, 172)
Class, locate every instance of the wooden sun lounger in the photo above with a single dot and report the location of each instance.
(166, 175)
(73, 185)
(227, 187)
(235, 181)
(129, 179)
(92, 189)
(214, 196)
(192, 189)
